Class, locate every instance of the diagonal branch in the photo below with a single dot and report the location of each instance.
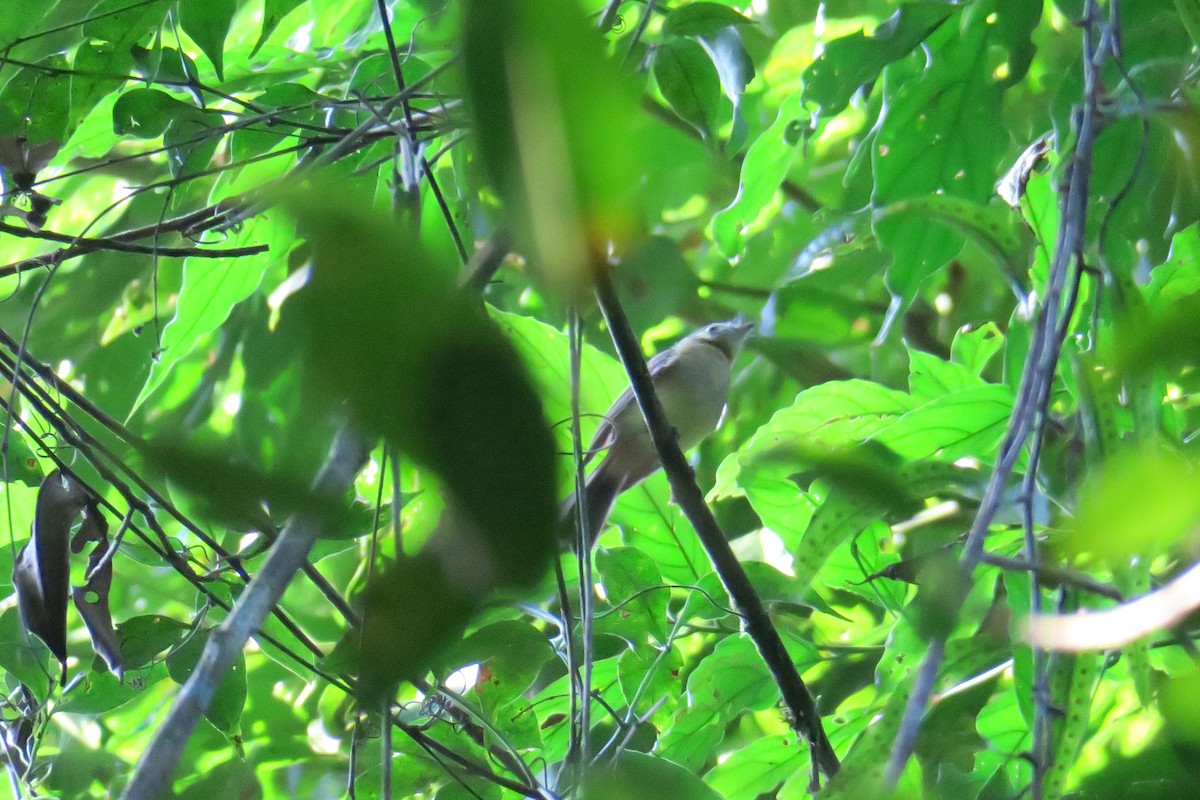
(152, 777)
(796, 697)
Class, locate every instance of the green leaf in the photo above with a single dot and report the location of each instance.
(1140, 503)
(735, 69)
(544, 351)
(1189, 15)
(21, 462)
(863, 767)
(968, 422)
(273, 13)
(637, 776)
(847, 63)
(650, 679)
(729, 680)
(102, 692)
(974, 348)
(763, 172)
(147, 113)
(225, 709)
(759, 767)
(633, 582)
(22, 656)
(661, 531)
(701, 19)
(689, 82)
(542, 90)
(930, 377)
(653, 281)
(20, 17)
(994, 226)
(145, 637)
(510, 654)
(122, 23)
(942, 133)
(838, 413)
(1072, 683)
(210, 290)
(207, 22)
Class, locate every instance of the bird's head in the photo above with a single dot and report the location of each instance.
(727, 336)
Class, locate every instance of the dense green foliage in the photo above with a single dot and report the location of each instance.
(968, 233)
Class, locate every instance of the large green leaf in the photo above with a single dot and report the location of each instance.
(544, 94)
(688, 80)
(210, 291)
(849, 62)
(393, 343)
(207, 22)
(942, 132)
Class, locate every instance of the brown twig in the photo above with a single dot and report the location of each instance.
(89, 245)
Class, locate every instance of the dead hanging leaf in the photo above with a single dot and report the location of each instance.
(20, 163)
(91, 600)
(1011, 187)
(42, 571)
(17, 732)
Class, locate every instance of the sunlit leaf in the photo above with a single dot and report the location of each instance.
(207, 22)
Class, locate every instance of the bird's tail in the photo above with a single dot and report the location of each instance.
(601, 490)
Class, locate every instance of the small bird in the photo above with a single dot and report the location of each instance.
(692, 382)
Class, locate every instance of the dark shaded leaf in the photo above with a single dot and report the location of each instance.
(1170, 337)
(240, 495)
(42, 573)
(688, 80)
(91, 600)
(454, 395)
(412, 612)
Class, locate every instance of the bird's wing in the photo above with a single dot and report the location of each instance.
(658, 365)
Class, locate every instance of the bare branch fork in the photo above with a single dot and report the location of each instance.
(796, 697)
(1036, 380)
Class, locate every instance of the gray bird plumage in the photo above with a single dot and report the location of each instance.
(692, 382)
